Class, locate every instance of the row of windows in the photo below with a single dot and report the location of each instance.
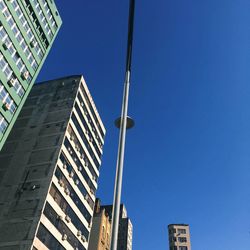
(85, 140)
(180, 239)
(81, 169)
(8, 103)
(71, 192)
(27, 29)
(36, 23)
(91, 109)
(63, 204)
(48, 239)
(3, 124)
(20, 38)
(12, 80)
(42, 18)
(83, 156)
(179, 248)
(53, 217)
(8, 45)
(179, 230)
(48, 12)
(84, 123)
(89, 119)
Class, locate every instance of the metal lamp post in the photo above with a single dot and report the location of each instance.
(123, 123)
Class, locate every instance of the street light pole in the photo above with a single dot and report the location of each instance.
(124, 123)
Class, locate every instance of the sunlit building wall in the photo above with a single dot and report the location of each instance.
(125, 232)
(27, 31)
(179, 237)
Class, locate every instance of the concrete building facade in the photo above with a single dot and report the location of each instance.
(27, 31)
(125, 232)
(179, 237)
(49, 169)
(101, 229)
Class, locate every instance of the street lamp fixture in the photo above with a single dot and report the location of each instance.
(123, 123)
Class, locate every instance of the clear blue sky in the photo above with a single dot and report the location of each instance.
(188, 157)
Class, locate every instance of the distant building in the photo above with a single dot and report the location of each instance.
(49, 169)
(101, 229)
(125, 233)
(27, 31)
(179, 237)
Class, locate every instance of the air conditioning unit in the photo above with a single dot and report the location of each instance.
(25, 75)
(59, 217)
(61, 182)
(83, 238)
(67, 192)
(86, 164)
(64, 237)
(91, 191)
(86, 112)
(82, 104)
(75, 159)
(71, 174)
(86, 132)
(91, 139)
(93, 178)
(71, 137)
(79, 168)
(86, 196)
(67, 218)
(6, 106)
(81, 156)
(79, 233)
(76, 181)
(5, 46)
(32, 44)
(11, 82)
(64, 165)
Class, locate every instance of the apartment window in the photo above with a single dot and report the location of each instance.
(85, 140)
(48, 239)
(172, 230)
(182, 239)
(173, 248)
(27, 28)
(81, 169)
(6, 99)
(91, 109)
(74, 197)
(3, 124)
(60, 225)
(181, 231)
(63, 204)
(172, 239)
(183, 248)
(82, 153)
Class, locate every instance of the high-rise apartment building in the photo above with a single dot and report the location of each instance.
(125, 232)
(179, 237)
(101, 229)
(49, 169)
(27, 31)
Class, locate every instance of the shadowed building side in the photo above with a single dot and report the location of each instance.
(50, 167)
